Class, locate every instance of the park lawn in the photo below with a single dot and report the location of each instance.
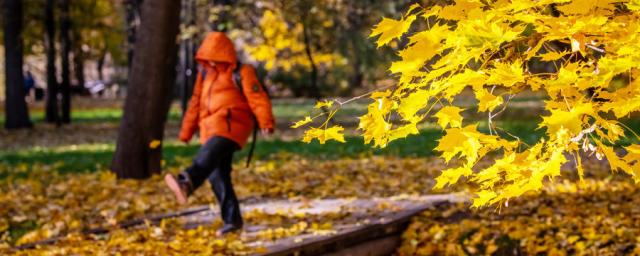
(92, 157)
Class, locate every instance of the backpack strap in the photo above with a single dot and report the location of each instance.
(203, 74)
(237, 79)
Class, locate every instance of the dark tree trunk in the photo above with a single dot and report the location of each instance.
(189, 65)
(17, 114)
(100, 64)
(51, 113)
(133, 21)
(65, 43)
(149, 92)
(78, 59)
(354, 20)
(358, 75)
(314, 90)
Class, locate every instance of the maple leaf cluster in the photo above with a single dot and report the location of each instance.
(582, 55)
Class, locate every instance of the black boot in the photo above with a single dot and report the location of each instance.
(228, 228)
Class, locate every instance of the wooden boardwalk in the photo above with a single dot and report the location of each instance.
(370, 226)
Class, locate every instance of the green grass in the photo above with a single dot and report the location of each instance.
(101, 115)
(282, 109)
(98, 156)
(91, 157)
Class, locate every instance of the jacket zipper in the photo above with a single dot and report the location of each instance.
(209, 97)
(229, 119)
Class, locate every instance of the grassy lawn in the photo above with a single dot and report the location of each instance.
(91, 157)
(87, 156)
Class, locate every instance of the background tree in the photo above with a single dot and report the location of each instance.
(188, 66)
(17, 114)
(132, 9)
(52, 114)
(138, 151)
(65, 45)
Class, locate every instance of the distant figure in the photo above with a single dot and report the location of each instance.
(29, 84)
(227, 102)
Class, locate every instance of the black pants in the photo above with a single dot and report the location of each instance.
(213, 162)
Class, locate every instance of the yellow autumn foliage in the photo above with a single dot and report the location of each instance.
(282, 45)
(489, 47)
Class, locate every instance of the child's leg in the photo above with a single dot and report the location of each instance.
(205, 162)
(222, 187)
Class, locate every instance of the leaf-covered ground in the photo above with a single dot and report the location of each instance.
(46, 204)
(54, 182)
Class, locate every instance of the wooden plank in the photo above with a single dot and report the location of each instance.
(387, 226)
(362, 226)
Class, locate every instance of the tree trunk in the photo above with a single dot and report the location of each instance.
(51, 115)
(16, 112)
(187, 57)
(65, 43)
(314, 90)
(100, 64)
(78, 59)
(149, 92)
(133, 21)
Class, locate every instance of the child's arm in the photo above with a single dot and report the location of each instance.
(258, 99)
(191, 116)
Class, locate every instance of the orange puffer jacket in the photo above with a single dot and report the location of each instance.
(217, 106)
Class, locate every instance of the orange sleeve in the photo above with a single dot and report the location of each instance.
(191, 116)
(256, 96)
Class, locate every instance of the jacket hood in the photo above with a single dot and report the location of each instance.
(217, 47)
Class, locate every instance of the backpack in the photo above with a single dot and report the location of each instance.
(237, 80)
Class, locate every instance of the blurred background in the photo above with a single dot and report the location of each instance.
(301, 48)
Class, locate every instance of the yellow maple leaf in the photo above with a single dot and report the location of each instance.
(411, 104)
(551, 56)
(323, 135)
(323, 104)
(618, 163)
(507, 74)
(464, 141)
(451, 176)
(306, 120)
(487, 101)
(483, 197)
(389, 29)
(570, 120)
(154, 144)
(449, 115)
(403, 131)
(414, 56)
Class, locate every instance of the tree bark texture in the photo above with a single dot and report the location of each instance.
(149, 92)
(52, 111)
(65, 43)
(17, 114)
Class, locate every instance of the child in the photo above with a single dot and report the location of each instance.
(224, 114)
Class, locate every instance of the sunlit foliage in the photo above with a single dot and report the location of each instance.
(494, 48)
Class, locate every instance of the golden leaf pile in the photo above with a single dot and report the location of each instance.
(567, 219)
(45, 204)
(582, 55)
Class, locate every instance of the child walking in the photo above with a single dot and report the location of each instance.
(224, 112)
